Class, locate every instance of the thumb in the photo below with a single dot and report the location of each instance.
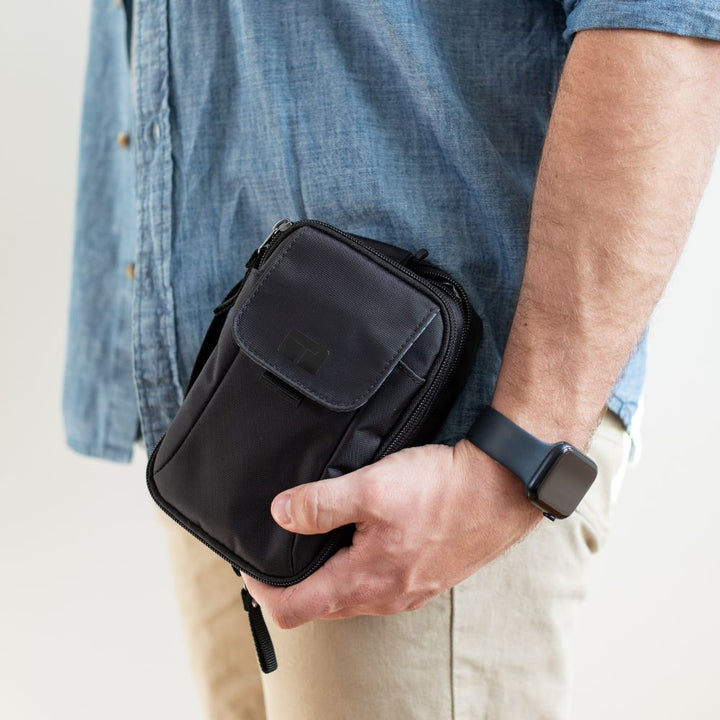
(321, 506)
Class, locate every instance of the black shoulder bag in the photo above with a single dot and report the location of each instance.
(332, 351)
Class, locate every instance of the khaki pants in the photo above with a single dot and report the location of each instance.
(496, 646)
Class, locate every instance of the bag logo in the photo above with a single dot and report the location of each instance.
(303, 351)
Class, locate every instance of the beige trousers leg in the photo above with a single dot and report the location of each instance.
(220, 647)
(496, 646)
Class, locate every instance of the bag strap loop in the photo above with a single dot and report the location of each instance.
(213, 332)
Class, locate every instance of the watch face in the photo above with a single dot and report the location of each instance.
(566, 482)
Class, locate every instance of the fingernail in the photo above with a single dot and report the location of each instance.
(281, 508)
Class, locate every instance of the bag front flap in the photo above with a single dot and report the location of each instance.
(329, 320)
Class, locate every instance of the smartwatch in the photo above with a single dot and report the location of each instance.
(556, 475)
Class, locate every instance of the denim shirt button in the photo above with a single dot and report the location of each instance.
(123, 140)
(130, 271)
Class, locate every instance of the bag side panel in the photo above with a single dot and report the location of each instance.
(202, 390)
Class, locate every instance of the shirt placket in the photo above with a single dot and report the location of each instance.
(154, 340)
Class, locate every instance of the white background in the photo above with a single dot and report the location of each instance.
(88, 624)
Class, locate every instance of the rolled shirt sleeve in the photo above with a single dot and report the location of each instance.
(693, 18)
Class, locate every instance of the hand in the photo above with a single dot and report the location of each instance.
(426, 518)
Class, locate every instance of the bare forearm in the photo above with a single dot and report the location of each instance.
(628, 153)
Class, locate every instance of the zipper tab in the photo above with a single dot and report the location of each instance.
(412, 259)
(261, 635)
(277, 228)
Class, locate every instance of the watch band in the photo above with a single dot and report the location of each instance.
(506, 442)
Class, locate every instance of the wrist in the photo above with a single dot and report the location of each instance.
(550, 417)
(554, 379)
(556, 475)
(477, 467)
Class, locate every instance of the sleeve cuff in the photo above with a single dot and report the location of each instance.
(692, 18)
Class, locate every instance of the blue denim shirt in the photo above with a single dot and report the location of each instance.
(418, 123)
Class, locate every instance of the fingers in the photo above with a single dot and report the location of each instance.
(327, 592)
(321, 506)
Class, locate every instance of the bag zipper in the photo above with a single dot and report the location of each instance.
(418, 413)
(261, 635)
(264, 247)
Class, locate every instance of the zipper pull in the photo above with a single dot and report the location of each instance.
(261, 635)
(412, 259)
(277, 228)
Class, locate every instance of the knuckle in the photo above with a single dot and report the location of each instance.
(328, 607)
(279, 617)
(415, 590)
(323, 507)
(361, 589)
(284, 618)
(395, 606)
(315, 509)
(395, 540)
(281, 612)
(419, 601)
(314, 506)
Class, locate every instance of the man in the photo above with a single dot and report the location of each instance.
(429, 121)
